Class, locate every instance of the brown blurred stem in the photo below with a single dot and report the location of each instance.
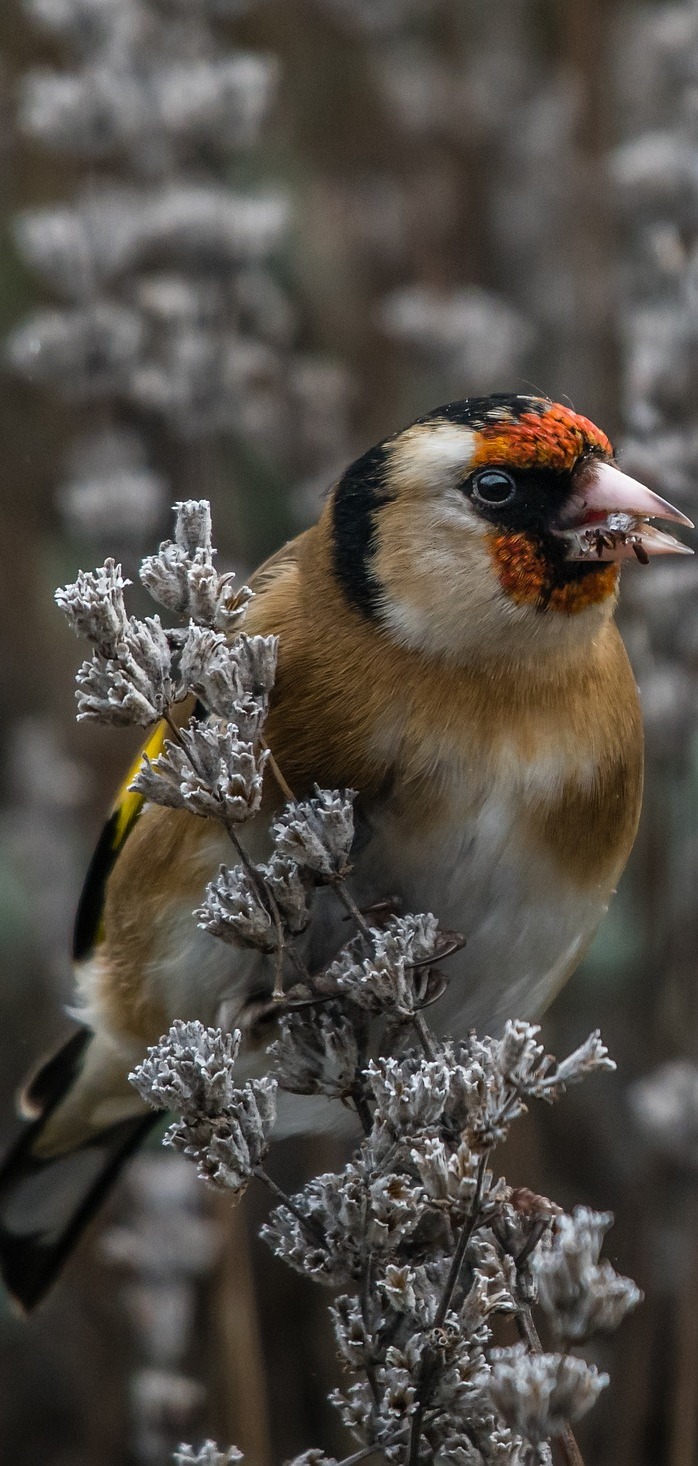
(243, 1384)
(285, 788)
(683, 1442)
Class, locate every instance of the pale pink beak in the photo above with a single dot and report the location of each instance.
(606, 517)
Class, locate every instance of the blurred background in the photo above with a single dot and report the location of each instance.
(240, 243)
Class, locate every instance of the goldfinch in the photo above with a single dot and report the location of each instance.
(447, 648)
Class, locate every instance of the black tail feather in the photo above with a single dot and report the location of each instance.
(46, 1202)
(48, 1083)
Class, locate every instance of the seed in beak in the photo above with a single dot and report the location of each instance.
(608, 517)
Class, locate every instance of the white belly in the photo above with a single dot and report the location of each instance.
(524, 926)
(523, 932)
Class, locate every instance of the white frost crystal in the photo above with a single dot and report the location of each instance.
(183, 578)
(225, 1129)
(94, 605)
(210, 772)
(317, 833)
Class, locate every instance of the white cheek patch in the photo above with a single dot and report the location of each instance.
(431, 457)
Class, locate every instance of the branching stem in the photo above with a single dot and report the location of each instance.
(269, 902)
(360, 1456)
(285, 788)
(425, 1037)
(462, 1247)
(361, 1105)
(365, 1301)
(349, 904)
(442, 1310)
(308, 1223)
(265, 895)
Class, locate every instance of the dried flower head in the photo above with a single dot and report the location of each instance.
(223, 1128)
(207, 1455)
(190, 1070)
(235, 911)
(210, 772)
(293, 894)
(317, 834)
(132, 686)
(230, 678)
(394, 979)
(182, 576)
(317, 1052)
(94, 606)
(580, 1295)
(539, 1394)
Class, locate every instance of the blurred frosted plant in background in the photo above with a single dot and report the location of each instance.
(654, 176)
(655, 185)
(653, 173)
(496, 186)
(171, 312)
(148, 270)
(378, 17)
(170, 336)
(108, 493)
(665, 1107)
(475, 332)
(165, 1248)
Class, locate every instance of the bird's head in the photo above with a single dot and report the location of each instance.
(493, 526)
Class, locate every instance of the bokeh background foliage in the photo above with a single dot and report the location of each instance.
(248, 241)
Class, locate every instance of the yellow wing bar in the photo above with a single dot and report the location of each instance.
(127, 806)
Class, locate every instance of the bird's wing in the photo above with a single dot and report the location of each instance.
(124, 813)
(127, 805)
(277, 565)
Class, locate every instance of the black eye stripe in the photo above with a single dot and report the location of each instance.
(358, 499)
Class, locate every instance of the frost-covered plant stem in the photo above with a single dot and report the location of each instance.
(423, 1247)
(266, 895)
(430, 1362)
(465, 1235)
(506, 1239)
(285, 788)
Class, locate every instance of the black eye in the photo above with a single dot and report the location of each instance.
(493, 486)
